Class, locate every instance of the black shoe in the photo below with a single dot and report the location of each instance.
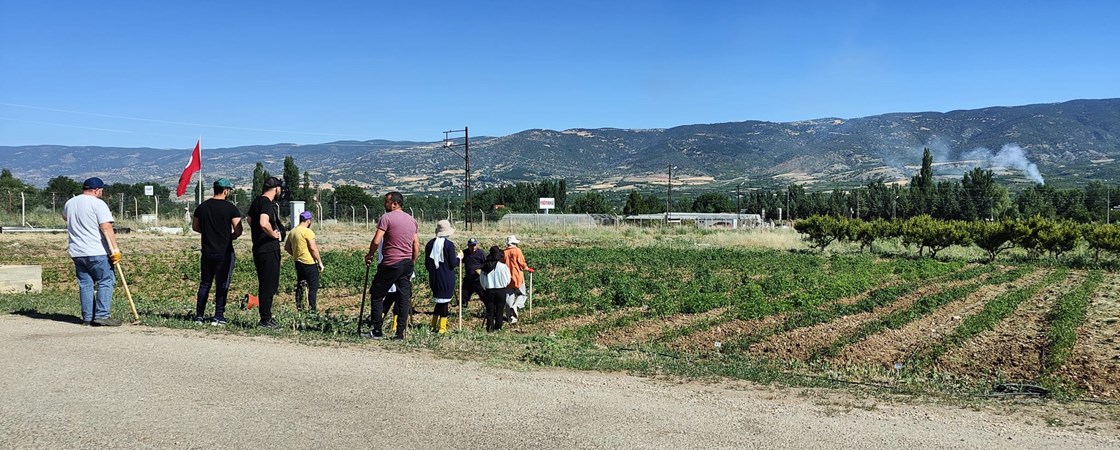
(373, 336)
(271, 324)
(397, 338)
(85, 323)
(106, 322)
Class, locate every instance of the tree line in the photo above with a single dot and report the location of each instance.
(1036, 235)
(975, 196)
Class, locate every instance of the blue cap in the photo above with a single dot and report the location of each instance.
(93, 183)
(306, 215)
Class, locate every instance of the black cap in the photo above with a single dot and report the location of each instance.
(272, 182)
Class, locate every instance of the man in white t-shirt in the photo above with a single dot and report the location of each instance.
(93, 247)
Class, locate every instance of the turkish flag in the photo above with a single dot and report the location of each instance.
(193, 166)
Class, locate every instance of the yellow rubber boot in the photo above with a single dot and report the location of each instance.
(435, 320)
(394, 324)
(442, 325)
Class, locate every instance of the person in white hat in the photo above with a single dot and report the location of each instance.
(515, 260)
(441, 261)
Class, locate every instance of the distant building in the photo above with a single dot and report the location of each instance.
(703, 220)
(548, 220)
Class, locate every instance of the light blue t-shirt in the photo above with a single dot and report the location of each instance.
(84, 216)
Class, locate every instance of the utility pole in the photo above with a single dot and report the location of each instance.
(122, 206)
(1108, 205)
(669, 195)
(52, 202)
(467, 177)
(738, 204)
(466, 171)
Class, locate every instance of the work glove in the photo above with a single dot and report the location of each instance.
(115, 257)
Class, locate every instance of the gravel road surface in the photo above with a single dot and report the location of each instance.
(67, 386)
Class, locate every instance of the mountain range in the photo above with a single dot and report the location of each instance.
(1059, 143)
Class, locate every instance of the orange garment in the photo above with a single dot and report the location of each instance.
(515, 260)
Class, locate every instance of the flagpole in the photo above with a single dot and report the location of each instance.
(200, 170)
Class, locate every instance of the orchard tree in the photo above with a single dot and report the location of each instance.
(992, 237)
(820, 231)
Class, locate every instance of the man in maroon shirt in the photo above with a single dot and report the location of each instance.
(400, 245)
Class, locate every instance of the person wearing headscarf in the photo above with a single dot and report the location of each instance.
(441, 260)
(494, 276)
(515, 260)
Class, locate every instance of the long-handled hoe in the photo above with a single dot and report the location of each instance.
(362, 310)
(128, 293)
(460, 293)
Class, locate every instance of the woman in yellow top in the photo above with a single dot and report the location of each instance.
(301, 245)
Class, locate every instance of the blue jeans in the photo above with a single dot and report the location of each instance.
(90, 270)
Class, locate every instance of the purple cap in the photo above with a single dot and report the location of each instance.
(306, 215)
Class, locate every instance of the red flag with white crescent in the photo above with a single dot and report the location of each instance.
(193, 166)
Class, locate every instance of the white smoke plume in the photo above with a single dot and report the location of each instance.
(1011, 156)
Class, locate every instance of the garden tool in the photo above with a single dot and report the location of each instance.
(128, 293)
(362, 310)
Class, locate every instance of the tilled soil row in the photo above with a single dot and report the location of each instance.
(802, 343)
(1095, 362)
(891, 346)
(704, 340)
(650, 329)
(582, 320)
(725, 331)
(1015, 348)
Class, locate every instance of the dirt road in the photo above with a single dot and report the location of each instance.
(68, 386)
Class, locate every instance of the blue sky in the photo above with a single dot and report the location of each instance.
(160, 74)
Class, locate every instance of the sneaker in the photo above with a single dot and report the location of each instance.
(218, 322)
(106, 322)
(85, 323)
(271, 324)
(198, 320)
(373, 335)
(512, 320)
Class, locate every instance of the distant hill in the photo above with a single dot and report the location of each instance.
(1068, 142)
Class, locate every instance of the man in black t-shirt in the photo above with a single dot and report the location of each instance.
(219, 223)
(264, 225)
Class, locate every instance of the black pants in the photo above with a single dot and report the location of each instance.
(442, 309)
(307, 274)
(386, 276)
(214, 267)
(268, 280)
(495, 301)
(389, 305)
(471, 286)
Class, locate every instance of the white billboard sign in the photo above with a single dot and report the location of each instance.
(148, 190)
(547, 203)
